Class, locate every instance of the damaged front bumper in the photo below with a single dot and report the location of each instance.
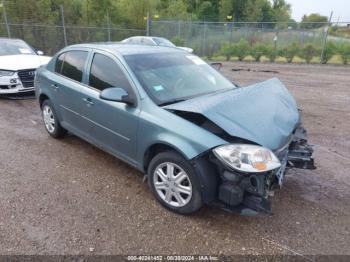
(249, 193)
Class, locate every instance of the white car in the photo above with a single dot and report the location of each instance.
(154, 41)
(18, 62)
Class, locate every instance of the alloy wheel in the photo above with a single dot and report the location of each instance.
(172, 184)
(49, 119)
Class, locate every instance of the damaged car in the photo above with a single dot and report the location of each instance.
(18, 62)
(198, 138)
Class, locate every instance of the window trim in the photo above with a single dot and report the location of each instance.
(64, 56)
(85, 65)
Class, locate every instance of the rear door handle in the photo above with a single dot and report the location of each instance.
(88, 101)
(55, 86)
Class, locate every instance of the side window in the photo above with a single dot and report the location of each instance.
(146, 41)
(106, 73)
(73, 65)
(59, 63)
(136, 40)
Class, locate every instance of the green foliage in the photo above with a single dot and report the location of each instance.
(329, 52)
(241, 49)
(308, 52)
(313, 21)
(290, 52)
(344, 51)
(271, 53)
(254, 10)
(257, 51)
(178, 41)
(226, 50)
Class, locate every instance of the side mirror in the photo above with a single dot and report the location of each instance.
(39, 52)
(216, 65)
(117, 94)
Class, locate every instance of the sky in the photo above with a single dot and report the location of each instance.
(341, 8)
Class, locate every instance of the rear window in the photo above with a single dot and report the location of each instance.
(73, 64)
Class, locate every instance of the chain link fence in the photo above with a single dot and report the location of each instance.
(53, 36)
(207, 38)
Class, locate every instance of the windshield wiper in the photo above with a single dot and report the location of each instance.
(169, 102)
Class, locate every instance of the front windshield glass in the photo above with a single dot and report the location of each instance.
(163, 42)
(15, 47)
(172, 77)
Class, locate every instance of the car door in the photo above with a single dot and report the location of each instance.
(66, 85)
(113, 124)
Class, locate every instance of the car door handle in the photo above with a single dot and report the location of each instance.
(88, 101)
(55, 86)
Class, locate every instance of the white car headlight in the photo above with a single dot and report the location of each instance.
(6, 73)
(247, 158)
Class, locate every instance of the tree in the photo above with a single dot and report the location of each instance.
(254, 10)
(175, 9)
(281, 11)
(344, 51)
(240, 49)
(258, 51)
(328, 52)
(226, 50)
(290, 52)
(270, 52)
(308, 52)
(313, 21)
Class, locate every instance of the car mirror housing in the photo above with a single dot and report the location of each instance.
(39, 52)
(117, 94)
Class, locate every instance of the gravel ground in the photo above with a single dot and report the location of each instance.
(68, 197)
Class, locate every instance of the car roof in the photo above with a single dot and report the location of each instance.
(10, 39)
(127, 49)
(151, 37)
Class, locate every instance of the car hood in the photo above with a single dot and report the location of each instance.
(264, 113)
(20, 62)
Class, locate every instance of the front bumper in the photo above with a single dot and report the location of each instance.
(10, 85)
(250, 194)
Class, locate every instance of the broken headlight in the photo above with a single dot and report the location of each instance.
(6, 73)
(247, 158)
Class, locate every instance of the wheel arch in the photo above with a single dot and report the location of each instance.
(42, 98)
(157, 148)
(205, 171)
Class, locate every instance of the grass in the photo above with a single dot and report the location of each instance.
(335, 60)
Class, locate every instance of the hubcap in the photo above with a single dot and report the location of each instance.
(172, 184)
(49, 119)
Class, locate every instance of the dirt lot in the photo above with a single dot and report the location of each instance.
(68, 197)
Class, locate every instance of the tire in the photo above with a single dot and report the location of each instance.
(166, 191)
(51, 123)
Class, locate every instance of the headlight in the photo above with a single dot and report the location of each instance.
(6, 73)
(247, 158)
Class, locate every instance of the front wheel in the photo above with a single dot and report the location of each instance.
(174, 184)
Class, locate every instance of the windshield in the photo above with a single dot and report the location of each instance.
(163, 42)
(172, 77)
(15, 47)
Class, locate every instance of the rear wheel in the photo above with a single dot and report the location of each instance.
(51, 122)
(174, 184)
